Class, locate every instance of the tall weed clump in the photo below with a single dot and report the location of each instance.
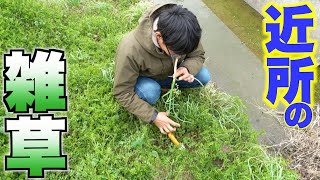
(106, 142)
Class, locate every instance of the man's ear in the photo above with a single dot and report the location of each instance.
(158, 35)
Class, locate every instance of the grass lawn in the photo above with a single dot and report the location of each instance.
(246, 23)
(103, 140)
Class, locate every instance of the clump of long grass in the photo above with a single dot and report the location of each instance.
(301, 147)
(267, 164)
(226, 108)
(229, 110)
(169, 97)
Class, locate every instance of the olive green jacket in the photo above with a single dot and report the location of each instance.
(137, 55)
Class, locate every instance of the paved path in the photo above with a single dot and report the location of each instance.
(236, 70)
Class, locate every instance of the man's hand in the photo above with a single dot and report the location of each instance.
(184, 74)
(164, 123)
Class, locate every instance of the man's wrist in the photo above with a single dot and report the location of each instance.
(154, 116)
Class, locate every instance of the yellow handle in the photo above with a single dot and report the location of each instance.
(173, 139)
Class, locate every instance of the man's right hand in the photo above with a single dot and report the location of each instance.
(164, 123)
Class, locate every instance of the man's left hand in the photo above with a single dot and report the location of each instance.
(184, 75)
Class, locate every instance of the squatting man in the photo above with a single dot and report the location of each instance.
(144, 61)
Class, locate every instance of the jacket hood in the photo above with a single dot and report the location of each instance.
(143, 33)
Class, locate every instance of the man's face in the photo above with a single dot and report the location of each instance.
(163, 45)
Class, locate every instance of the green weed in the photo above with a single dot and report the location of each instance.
(106, 142)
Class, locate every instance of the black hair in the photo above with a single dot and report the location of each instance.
(180, 29)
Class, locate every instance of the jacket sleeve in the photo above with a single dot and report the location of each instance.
(194, 60)
(126, 74)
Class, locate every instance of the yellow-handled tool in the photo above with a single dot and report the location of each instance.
(175, 141)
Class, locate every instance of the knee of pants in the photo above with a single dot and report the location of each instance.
(203, 76)
(148, 90)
